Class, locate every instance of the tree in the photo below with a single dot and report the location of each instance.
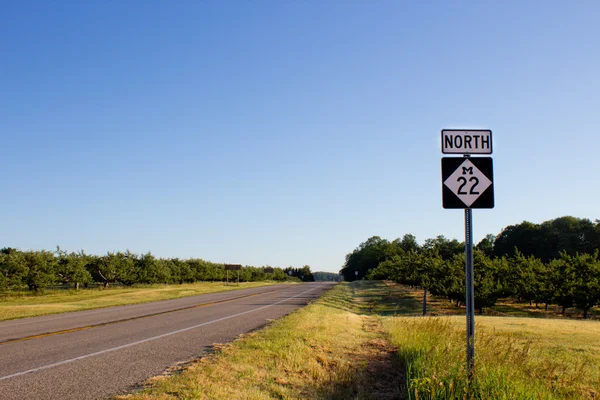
(525, 236)
(568, 234)
(150, 270)
(524, 277)
(206, 271)
(547, 286)
(486, 245)
(307, 274)
(39, 269)
(446, 248)
(586, 285)
(563, 278)
(279, 275)
(368, 256)
(126, 267)
(104, 268)
(327, 277)
(487, 279)
(408, 244)
(547, 240)
(12, 269)
(181, 271)
(453, 278)
(70, 268)
(434, 273)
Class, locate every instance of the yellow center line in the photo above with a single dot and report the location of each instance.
(83, 328)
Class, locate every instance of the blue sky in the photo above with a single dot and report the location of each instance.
(286, 132)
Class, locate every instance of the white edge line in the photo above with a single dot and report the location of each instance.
(146, 340)
(92, 311)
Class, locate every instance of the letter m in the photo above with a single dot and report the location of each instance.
(467, 169)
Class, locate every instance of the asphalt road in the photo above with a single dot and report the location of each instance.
(100, 353)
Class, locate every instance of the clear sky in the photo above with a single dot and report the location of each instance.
(286, 132)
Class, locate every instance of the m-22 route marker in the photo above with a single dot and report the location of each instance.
(467, 183)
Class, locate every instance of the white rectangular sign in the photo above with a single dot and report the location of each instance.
(466, 141)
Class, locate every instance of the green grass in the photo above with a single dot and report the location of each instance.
(516, 357)
(365, 340)
(28, 304)
(323, 351)
(520, 359)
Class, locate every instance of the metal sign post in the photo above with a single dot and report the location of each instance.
(467, 183)
(470, 297)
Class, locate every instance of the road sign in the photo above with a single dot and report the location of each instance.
(466, 141)
(232, 267)
(467, 182)
(269, 270)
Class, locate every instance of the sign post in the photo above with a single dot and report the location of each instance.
(468, 183)
(470, 296)
(233, 267)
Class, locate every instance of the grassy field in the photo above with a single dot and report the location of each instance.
(411, 300)
(28, 304)
(363, 341)
(516, 358)
(541, 357)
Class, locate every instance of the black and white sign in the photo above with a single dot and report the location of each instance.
(467, 182)
(466, 141)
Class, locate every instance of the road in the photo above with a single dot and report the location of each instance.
(100, 353)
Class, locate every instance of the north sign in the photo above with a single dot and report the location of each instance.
(466, 141)
(467, 182)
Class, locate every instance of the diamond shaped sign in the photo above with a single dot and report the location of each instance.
(467, 182)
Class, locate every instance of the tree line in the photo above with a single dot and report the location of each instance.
(555, 262)
(327, 277)
(38, 270)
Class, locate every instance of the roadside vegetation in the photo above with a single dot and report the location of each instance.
(516, 357)
(34, 283)
(364, 340)
(323, 351)
(40, 270)
(548, 265)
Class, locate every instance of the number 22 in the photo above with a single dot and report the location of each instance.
(464, 183)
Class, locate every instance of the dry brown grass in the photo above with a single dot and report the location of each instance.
(319, 352)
